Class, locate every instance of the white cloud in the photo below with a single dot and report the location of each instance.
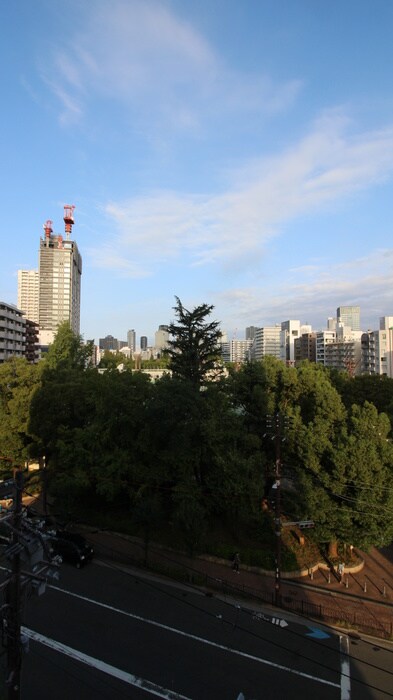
(315, 294)
(139, 53)
(227, 228)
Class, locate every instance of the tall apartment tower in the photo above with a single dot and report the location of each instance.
(349, 316)
(143, 342)
(28, 293)
(60, 270)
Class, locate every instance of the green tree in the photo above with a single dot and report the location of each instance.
(18, 382)
(194, 344)
(68, 351)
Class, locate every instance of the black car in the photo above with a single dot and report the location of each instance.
(72, 547)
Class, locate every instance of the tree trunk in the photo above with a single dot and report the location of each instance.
(332, 551)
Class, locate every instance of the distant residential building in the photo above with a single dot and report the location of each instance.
(349, 316)
(344, 355)
(306, 347)
(377, 349)
(28, 293)
(131, 340)
(236, 350)
(32, 348)
(144, 342)
(12, 332)
(323, 339)
(290, 330)
(266, 342)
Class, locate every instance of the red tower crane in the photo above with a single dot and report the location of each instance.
(48, 228)
(68, 218)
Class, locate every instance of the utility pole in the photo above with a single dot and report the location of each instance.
(27, 547)
(13, 597)
(277, 510)
(275, 424)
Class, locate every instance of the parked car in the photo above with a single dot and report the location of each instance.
(72, 547)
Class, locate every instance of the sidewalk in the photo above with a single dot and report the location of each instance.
(363, 601)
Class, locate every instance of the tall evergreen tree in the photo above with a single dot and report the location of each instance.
(194, 344)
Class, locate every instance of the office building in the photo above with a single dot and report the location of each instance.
(60, 270)
(266, 342)
(109, 343)
(131, 340)
(349, 316)
(161, 338)
(144, 342)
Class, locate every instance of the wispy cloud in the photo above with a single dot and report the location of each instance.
(144, 56)
(315, 294)
(224, 229)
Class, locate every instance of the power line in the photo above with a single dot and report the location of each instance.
(259, 636)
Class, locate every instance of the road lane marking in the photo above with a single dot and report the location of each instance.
(196, 638)
(345, 679)
(129, 678)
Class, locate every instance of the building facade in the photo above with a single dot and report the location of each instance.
(290, 330)
(60, 270)
(236, 350)
(28, 294)
(131, 340)
(266, 342)
(349, 316)
(377, 349)
(12, 332)
(306, 347)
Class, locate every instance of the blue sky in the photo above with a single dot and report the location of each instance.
(234, 153)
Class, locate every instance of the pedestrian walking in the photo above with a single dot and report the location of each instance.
(341, 571)
(236, 562)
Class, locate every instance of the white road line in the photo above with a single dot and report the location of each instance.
(345, 679)
(202, 640)
(129, 678)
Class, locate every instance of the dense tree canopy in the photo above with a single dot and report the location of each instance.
(190, 452)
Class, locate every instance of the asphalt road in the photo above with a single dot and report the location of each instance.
(105, 632)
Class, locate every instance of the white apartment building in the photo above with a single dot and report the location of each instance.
(290, 331)
(323, 339)
(377, 349)
(236, 350)
(28, 293)
(12, 332)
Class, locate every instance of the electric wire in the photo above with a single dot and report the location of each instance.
(74, 675)
(280, 646)
(269, 641)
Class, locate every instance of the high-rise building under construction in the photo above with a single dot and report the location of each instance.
(60, 270)
(58, 281)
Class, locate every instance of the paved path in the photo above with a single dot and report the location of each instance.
(361, 601)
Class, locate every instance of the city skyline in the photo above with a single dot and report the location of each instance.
(235, 154)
